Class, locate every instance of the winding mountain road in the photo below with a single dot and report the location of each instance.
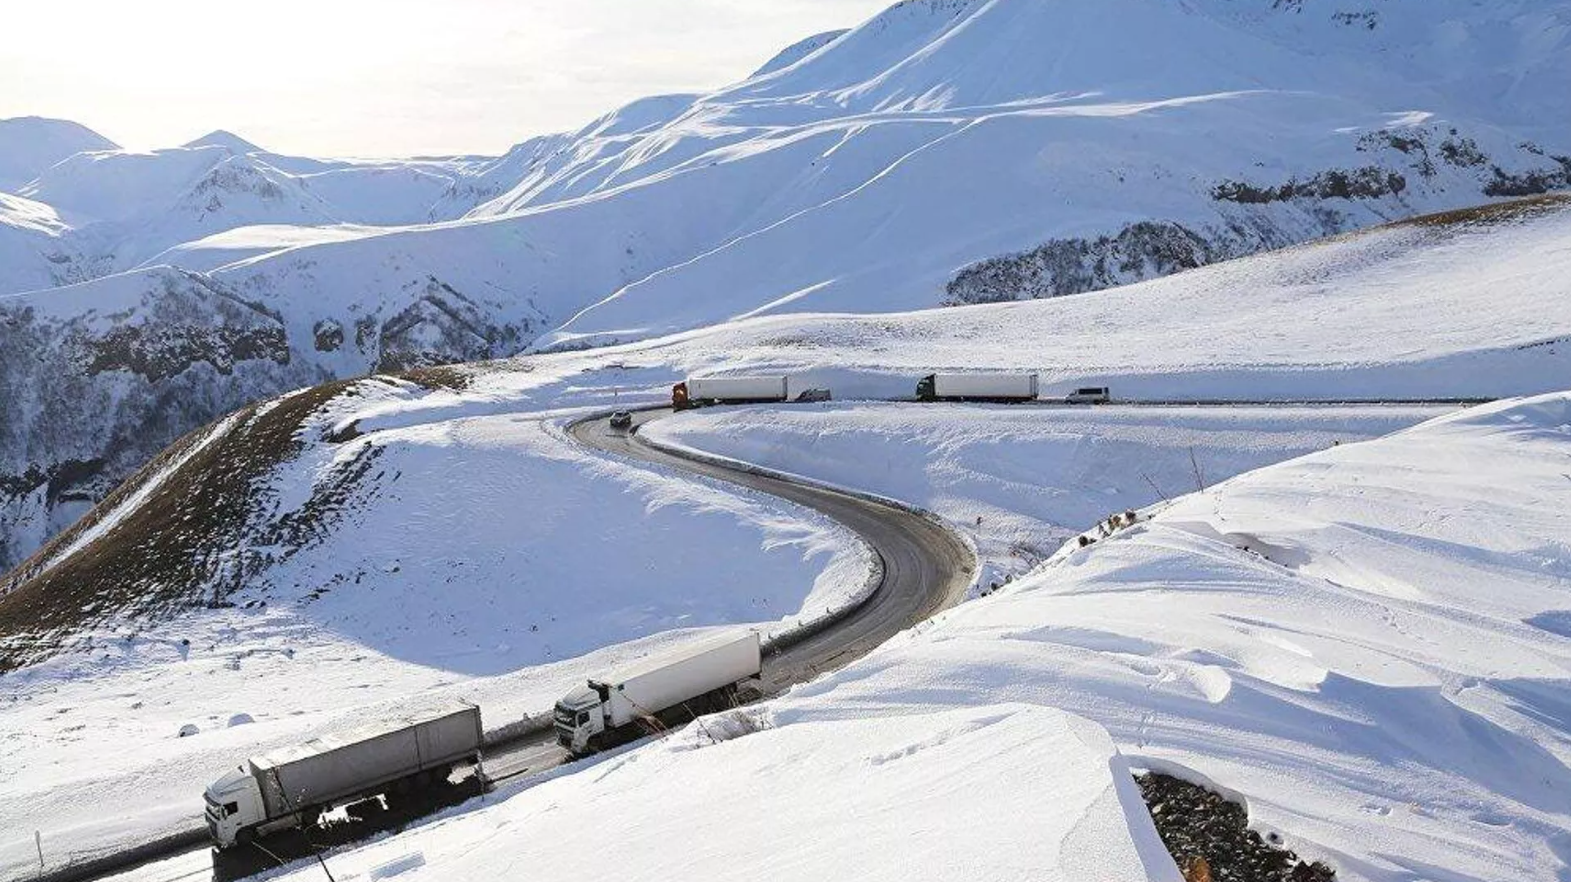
(925, 568)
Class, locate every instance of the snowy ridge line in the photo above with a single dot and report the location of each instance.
(119, 512)
(777, 642)
(105, 520)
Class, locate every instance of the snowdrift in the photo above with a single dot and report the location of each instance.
(1367, 644)
(955, 795)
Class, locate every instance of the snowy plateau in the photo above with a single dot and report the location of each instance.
(288, 442)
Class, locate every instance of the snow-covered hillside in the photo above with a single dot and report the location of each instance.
(123, 208)
(506, 564)
(380, 493)
(460, 545)
(945, 151)
(1368, 645)
(1310, 638)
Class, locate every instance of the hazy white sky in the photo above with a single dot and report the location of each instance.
(379, 77)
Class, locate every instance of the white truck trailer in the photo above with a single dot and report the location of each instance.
(693, 679)
(977, 387)
(727, 390)
(291, 787)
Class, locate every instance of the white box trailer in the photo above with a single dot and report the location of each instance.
(728, 390)
(608, 706)
(289, 787)
(977, 387)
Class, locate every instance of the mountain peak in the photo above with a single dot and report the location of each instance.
(228, 140)
(31, 144)
(799, 50)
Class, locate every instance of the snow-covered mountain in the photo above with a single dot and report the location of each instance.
(31, 144)
(122, 208)
(227, 140)
(945, 151)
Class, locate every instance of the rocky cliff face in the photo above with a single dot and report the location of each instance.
(88, 395)
(1420, 164)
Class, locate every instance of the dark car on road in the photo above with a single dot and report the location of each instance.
(621, 420)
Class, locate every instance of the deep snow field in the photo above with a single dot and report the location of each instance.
(488, 527)
(1367, 645)
(1020, 481)
(1371, 645)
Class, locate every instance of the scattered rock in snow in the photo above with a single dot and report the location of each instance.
(1196, 823)
(240, 720)
(188, 730)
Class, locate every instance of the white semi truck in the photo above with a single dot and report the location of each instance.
(727, 390)
(693, 679)
(291, 787)
(977, 387)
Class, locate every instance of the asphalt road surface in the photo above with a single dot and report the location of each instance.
(926, 567)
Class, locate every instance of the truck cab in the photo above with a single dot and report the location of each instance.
(234, 806)
(579, 716)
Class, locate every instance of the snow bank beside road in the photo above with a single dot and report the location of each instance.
(1023, 480)
(1369, 644)
(1004, 792)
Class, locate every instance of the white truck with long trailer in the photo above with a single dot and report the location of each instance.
(292, 787)
(696, 391)
(688, 681)
(977, 387)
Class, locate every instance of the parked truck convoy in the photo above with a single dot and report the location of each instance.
(292, 787)
(695, 391)
(696, 678)
(977, 387)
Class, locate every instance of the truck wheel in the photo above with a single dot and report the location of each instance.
(422, 780)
